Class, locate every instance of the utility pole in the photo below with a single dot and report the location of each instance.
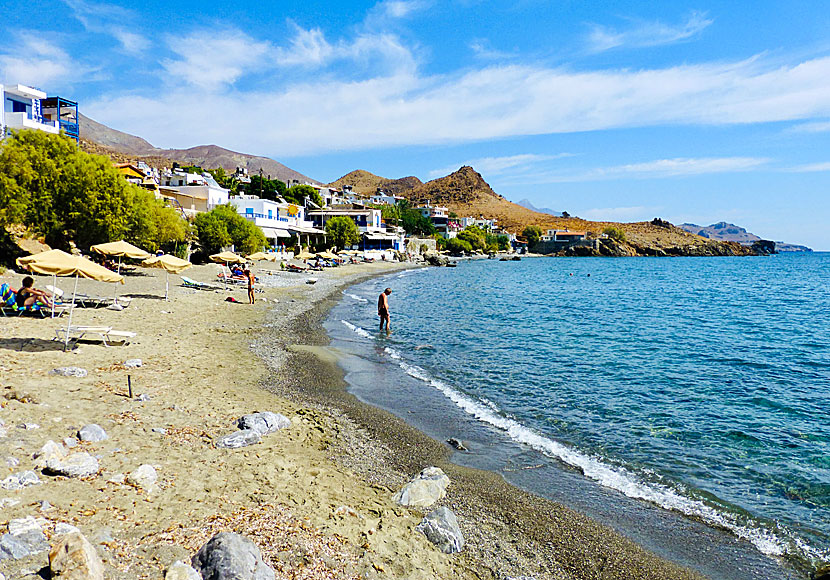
(260, 183)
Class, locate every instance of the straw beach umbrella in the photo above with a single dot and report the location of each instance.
(67, 265)
(121, 249)
(260, 256)
(304, 255)
(169, 264)
(228, 258)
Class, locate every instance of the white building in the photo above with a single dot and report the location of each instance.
(382, 198)
(277, 219)
(192, 191)
(29, 108)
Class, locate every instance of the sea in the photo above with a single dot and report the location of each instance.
(684, 402)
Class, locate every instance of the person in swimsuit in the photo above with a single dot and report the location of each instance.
(383, 309)
(28, 294)
(250, 276)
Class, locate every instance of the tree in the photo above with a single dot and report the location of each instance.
(615, 233)
(223, 226)
(503, 243)
(266, 188)
(58, 191)
(342, 231)
(456, 246)
(474, 236)
(299, 193)
(532, 234)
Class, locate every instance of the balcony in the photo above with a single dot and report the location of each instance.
(22, 121)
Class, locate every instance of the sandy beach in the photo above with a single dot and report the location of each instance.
(316, 497)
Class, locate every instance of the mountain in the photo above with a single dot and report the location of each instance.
(722, 231)
(727, 232)
(526, 203)
(365, 183)
(98, 138)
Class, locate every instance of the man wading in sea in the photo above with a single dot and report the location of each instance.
(383, 308)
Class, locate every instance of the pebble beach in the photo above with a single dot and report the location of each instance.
(316, 495)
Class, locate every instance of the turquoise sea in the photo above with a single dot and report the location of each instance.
(641, 391)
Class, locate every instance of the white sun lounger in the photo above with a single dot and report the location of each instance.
(105, 334)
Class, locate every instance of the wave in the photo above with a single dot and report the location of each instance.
(356, 297)
(393, 354)
(357, 330)
(619, 478)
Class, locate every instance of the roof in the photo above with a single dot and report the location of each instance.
(570, 234)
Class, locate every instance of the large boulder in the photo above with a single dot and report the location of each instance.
(425, 489)
(230, 556)
(74, 558)
(241, 438)
(16, 546)
(50, 451)
(441, 528)
(20, 480)
(144, 477)
(264, 423)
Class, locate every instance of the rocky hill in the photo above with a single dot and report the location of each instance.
(98, 138)
(366, 183)
(727, 232)
(466, 193)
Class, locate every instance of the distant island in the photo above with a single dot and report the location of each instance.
(526, 203)
(726, 232)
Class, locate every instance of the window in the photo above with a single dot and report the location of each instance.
(270, 214)
(249, 211)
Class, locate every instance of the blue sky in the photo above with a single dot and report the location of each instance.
(624, 111)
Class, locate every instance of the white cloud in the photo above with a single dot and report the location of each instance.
(482, 49)
(37, 62)
(390, 103)
(399, 8)
(498, 165)
(812, 167)
(817, 127)
(211, 59)
(644, 34)
(103, 18)
(661, 168)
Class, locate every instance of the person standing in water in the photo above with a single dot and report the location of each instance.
(383, 309)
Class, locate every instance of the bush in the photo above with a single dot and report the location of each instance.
(299, 193)
(532, 235)
(615, 233)
(342, 232)
(457, 246)
(474, 236)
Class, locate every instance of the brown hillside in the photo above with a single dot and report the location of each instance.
(123, 147)
(366, 183)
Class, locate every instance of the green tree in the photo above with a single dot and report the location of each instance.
(62, 193)
(503, 243)
(615, 233)
(474, 236)
(456, 246)
(266, 188)
(342, 232)
(299, 193)
(532, 234)
(223, 226)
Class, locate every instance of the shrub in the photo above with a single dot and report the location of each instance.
(456, 246)
(532, 234)
(342, 232)
(615, 233)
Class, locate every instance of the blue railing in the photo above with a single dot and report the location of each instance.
(251, 216)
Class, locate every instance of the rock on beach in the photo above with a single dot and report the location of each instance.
(178, 570)
(239, 439)
(425, 489)
(70, 372)
(263, 423)
(92, 433)
(74, 558)
(230, 556)
(76, 465)
(144, 477)
(441, 528)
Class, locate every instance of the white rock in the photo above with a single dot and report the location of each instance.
(25, 525)
(92, 433)
(178, 570)
(133, 363)
(12, 461)
(76, 465)
(425, 489)
(49, 451)
(70, 442)
(29, 426)
(8, 502)
(144, 477)
(70, 372)
(62, 528)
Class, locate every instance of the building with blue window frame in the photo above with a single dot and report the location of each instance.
(30, 108)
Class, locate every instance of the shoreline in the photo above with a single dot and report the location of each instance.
(509, 531)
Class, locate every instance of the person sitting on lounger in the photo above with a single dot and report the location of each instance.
(28, 294)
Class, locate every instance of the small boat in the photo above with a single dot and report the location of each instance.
(452, 264)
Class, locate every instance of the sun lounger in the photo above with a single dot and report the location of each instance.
(105, 334)
(191, 283)
(9, 306)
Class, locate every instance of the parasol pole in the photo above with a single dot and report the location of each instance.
(166, 283)
(71, 310)
(115, 297)
(54, 285)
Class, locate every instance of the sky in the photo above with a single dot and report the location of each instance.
(692, 112)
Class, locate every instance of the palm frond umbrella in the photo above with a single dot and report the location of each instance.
(120, 249)
(68, 265)
(169, 264)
